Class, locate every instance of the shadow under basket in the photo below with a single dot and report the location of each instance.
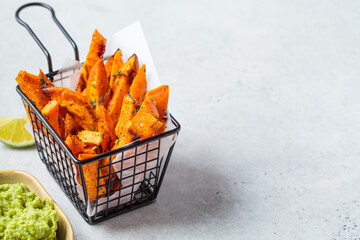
(134, 172)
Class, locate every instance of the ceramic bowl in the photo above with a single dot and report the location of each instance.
(65, 230)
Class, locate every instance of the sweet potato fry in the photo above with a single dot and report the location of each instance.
(160, 97)
(91, 150)
(96, 51)
(75, 145)
(97, 84)
(144, 124)
(74, 104)
(107, 96)
(149, 106)
(62, 116)
(91, 137)
(91, 178)
(127, 113)
(117, 64)
(52, 115)
(138, 87)
(31, 86)
(108, 66)
(71, 126)
(44, 79)
(106, 127)
(121, 87)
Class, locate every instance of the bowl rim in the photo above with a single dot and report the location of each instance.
(61, 214)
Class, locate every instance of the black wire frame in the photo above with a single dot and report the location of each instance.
(59, 161)
(35, 37)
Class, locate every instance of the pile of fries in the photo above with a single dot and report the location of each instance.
(109, 109)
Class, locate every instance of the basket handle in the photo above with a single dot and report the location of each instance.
(45, 51)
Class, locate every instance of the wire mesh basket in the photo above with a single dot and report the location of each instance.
(135, 171)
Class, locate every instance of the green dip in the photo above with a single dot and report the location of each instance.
(23, 215)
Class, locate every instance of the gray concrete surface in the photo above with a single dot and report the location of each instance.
(267, 95)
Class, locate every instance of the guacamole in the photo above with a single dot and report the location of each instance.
(23, 215)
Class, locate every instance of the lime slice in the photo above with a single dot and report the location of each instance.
(13, 132)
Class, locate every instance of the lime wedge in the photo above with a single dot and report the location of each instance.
(13, 132)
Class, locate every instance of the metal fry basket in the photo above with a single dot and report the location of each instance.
(135, 171)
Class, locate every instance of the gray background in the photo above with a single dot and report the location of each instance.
(267, 95)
